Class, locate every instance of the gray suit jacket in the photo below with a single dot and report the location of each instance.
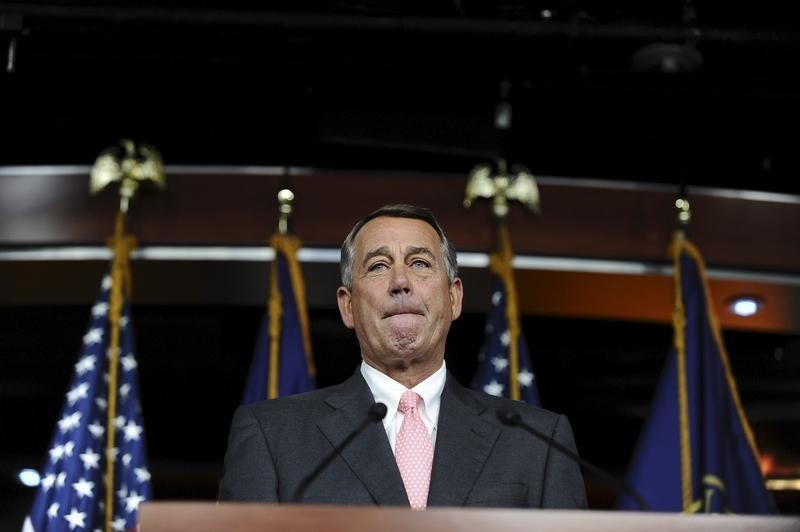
(273, 445)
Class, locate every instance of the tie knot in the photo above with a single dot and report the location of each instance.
(408, 401)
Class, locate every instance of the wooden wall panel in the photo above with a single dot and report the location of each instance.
(238, 208)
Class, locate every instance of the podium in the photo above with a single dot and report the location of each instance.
(251, 517)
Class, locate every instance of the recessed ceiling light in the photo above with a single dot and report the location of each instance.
(29, 477)
(745, 305)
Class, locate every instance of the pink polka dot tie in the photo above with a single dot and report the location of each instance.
(414, 452)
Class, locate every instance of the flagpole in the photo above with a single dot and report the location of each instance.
(285, 246)
(121, 244)
(684, 216)
(501, 263)
(129, 165)
(501, 184)
(275, 303)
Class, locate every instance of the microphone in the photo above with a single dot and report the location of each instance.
(375, 414)
(508, 416)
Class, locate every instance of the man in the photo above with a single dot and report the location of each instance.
(440, 444)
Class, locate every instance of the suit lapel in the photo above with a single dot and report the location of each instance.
(369, 455)
(463, 444)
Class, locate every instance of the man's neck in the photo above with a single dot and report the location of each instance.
(409, 376)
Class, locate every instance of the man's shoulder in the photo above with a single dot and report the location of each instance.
(530, 413)
(291, 404)
(307, 405)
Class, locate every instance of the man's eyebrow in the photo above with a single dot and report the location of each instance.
(420, 251)
(382, 251)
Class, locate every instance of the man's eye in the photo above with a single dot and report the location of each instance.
(419, 263)
(377, 267)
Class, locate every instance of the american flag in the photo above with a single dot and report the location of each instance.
(71, 495)
(496, 358)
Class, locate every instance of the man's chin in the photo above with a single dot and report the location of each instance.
(405, 346)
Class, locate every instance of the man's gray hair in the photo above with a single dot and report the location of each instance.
(397, 211)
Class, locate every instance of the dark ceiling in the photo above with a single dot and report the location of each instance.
(701, 92)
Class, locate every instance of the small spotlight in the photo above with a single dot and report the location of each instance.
(745, 305)
(546, 14)
(29, 477)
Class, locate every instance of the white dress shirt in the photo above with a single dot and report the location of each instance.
(388, 391)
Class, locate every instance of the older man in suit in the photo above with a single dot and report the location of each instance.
(440, 444)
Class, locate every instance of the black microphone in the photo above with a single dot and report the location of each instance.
(508, 416)
(375, 414)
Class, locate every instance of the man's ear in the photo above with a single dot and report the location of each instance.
(456, 296)
(344, 299)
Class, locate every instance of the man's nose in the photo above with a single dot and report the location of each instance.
(399, 282)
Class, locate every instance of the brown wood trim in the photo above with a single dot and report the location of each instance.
(650, 298)
(241, 210)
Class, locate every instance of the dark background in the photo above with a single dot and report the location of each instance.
(667, 90)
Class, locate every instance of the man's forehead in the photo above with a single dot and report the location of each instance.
(389, 232)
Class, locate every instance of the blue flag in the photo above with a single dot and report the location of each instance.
(71, 496)
(696, 452)
(505, 368)
(282, 362)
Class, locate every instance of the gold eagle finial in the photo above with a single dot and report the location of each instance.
(129, 164)
(497, 183)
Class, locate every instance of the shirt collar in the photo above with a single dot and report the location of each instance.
(388, 391)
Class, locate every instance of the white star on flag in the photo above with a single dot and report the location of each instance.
(97, 429)
(61, 480)
(69, 422)
(101, 403)
(106, 282)
(126, 459)
(123, 322)
(119, 422)
(48, 481)
(78, 393)
(499, 363)
(124, 389)
(83, 488)
(142, 474)
(122, 492)
(494, 388)
(132, 501)
(85, 364)
(91, 460)
(52, 511)
(525, 377)
(57, 453)
(118, 524)
(75, 519)
(496, 298)
(505, 338)
(128, 362)
(94, 336)
(100, 309)
(132, 431)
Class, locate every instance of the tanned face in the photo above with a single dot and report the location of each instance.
(401, 303)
